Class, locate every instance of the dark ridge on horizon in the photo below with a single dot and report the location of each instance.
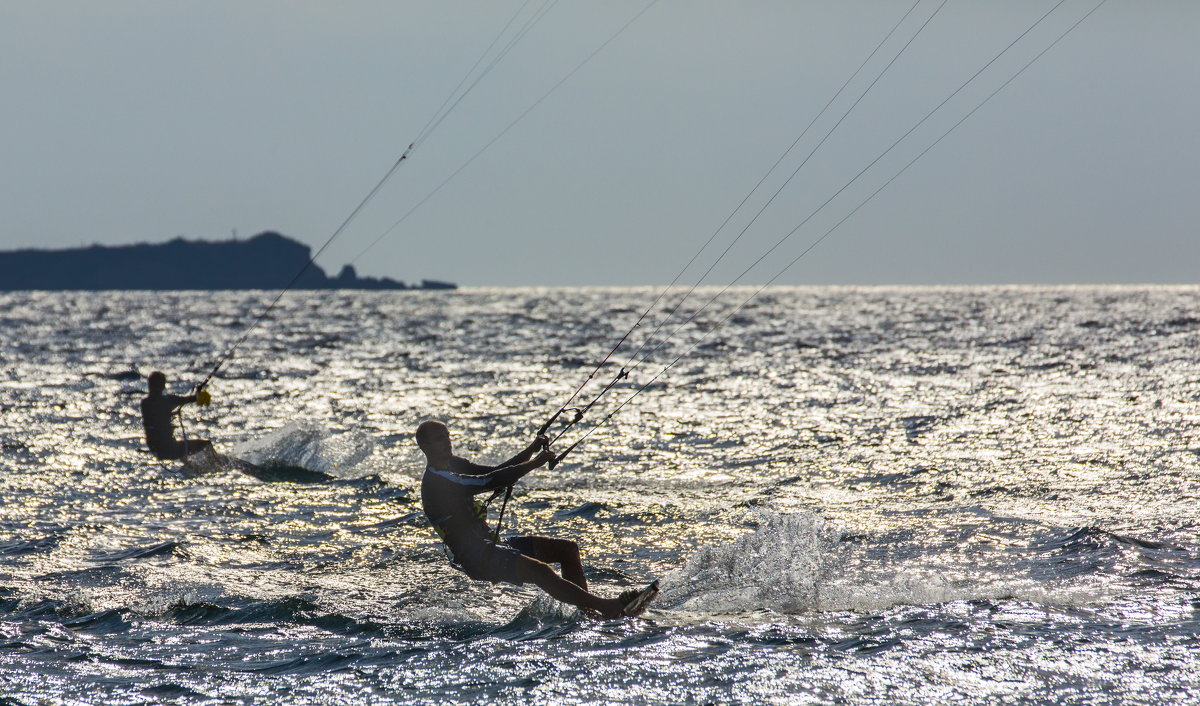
(266, 261)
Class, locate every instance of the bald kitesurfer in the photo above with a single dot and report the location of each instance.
(157, 409)
(448, 491)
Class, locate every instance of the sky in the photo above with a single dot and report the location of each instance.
(139, 121)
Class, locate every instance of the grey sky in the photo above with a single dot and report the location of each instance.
(132, 121)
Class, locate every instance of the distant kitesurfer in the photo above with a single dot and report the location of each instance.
(448, 491)
(157, 409)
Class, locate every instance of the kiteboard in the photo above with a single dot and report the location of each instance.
(636, 602)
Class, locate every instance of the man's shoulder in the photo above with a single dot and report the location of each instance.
(456, 465)
(465, 467)
(433, 472)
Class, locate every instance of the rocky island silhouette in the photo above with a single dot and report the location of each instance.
(266, 261)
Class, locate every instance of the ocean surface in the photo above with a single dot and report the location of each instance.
(850, 495)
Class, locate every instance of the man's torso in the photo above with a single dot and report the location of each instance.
(449, 504)
(156, 420)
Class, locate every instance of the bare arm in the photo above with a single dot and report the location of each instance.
(527, 454)
(178, 401)
(497, 477)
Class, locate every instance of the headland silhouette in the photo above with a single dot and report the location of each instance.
(266, 261)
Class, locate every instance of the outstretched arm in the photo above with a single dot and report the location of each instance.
(178, 401)
(538, 442)
(498, 477)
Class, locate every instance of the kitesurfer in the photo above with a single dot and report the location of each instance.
(157, 409)
(448, 491)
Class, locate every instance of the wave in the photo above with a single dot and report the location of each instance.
(173, 549)
(21, 547)
(292, 610)
(79, 615)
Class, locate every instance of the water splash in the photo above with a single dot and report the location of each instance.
(309, 446)
(797, 563)
(777, 567)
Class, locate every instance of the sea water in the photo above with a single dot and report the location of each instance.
(849, 495)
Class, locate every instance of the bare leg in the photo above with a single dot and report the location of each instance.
(554, 551)
(541, 574)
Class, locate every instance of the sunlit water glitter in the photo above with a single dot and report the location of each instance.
(864, 495)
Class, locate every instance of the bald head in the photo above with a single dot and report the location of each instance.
(433, 436)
